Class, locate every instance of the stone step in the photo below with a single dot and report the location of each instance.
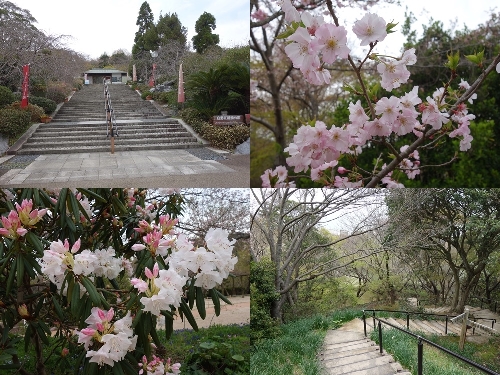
(334, 354)
(73, 150)
(102, 133)
(102, 128)
(384, 365)
(55, 142)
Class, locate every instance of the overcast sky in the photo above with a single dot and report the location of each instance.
(468, 12)
(105, 26)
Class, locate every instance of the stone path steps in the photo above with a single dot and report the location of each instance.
(350, 352)
(426, 326)
(80, 126)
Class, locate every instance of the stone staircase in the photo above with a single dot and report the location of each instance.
(346, 351)
(80, 125)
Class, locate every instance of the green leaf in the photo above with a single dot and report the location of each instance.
(117, 369)
(289, 30)
(390, 26)
(221, 296)
(191, 293)
(27, 337)
(94, 295)
(169, 326)
(118, 206)
(200, 302)
(207, 345)
(33, 263)
(61, 203)
(12, 273)
(75, 208)
(91, 194)
(57, 308)
(453, 60)
(20, 270)
(216, 301)
(75, 300)
(188, 314)
(238, 357)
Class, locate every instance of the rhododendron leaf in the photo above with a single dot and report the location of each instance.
(221, 296)
(28, 265)
(169, 325)
(75, 300)
(238, 358)
(91, 194)
(154, 335)
(73, 203)
(216, 301)
(118, 206)
(117, 369)
(93, 294)
(57, 308)
(137, 318)
(41, 333)
(200, 302)
(34, 241)
(61, 203)
(20, 270)
(191, 293)
(188, 314)
(27, 337)
(10, 279)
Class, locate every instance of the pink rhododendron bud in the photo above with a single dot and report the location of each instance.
(101, 314)
(64, 352)
(139, 284)
(148, 273)
(138, 247)
(89, 331)
(23, 311)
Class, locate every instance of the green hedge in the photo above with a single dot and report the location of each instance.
(6, 96)
(48, 105)
(34, 110)
(14, 121)
(226, 137)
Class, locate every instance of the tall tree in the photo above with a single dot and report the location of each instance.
(204, 37)
(461, 226)
(284, 221)
(169, 29)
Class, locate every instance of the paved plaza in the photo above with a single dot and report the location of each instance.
(168, 168)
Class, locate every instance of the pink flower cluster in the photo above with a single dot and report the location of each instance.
(153, 239)
(394, 72)
(157, 367)
(111, 339)
(14, 225)
(276, 178)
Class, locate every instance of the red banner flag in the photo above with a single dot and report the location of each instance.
(26, 86)
(180, 91)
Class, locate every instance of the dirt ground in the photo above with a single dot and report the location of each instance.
(237, 313)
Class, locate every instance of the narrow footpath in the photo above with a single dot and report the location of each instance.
(346, 351)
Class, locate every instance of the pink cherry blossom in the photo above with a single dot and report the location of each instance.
(370, 28)
(388, 108)
(357, 113)
(334, 41)
(311, 22)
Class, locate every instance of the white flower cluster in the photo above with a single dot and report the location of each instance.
(112, 340)
(101, 263)
(211, 266)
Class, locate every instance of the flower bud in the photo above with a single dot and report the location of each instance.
(23, 312)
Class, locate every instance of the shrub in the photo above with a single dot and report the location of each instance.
(6, 96)
(215, 357)
(263, 294)
(35, 111)
(226, 137)
(48, 105)
(58, 92)
(14, 121)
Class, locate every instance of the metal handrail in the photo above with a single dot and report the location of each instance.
(420, 348)
(489, 301)
(112, 126)
(422, 313)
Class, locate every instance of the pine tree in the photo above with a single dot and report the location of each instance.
(204, 37)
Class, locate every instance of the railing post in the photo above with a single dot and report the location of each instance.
(420, 356)
(474, 328)
(380, 336)
(364, 322)
(374, 320)
(407, 321)
(446, 326)
(493, 323)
